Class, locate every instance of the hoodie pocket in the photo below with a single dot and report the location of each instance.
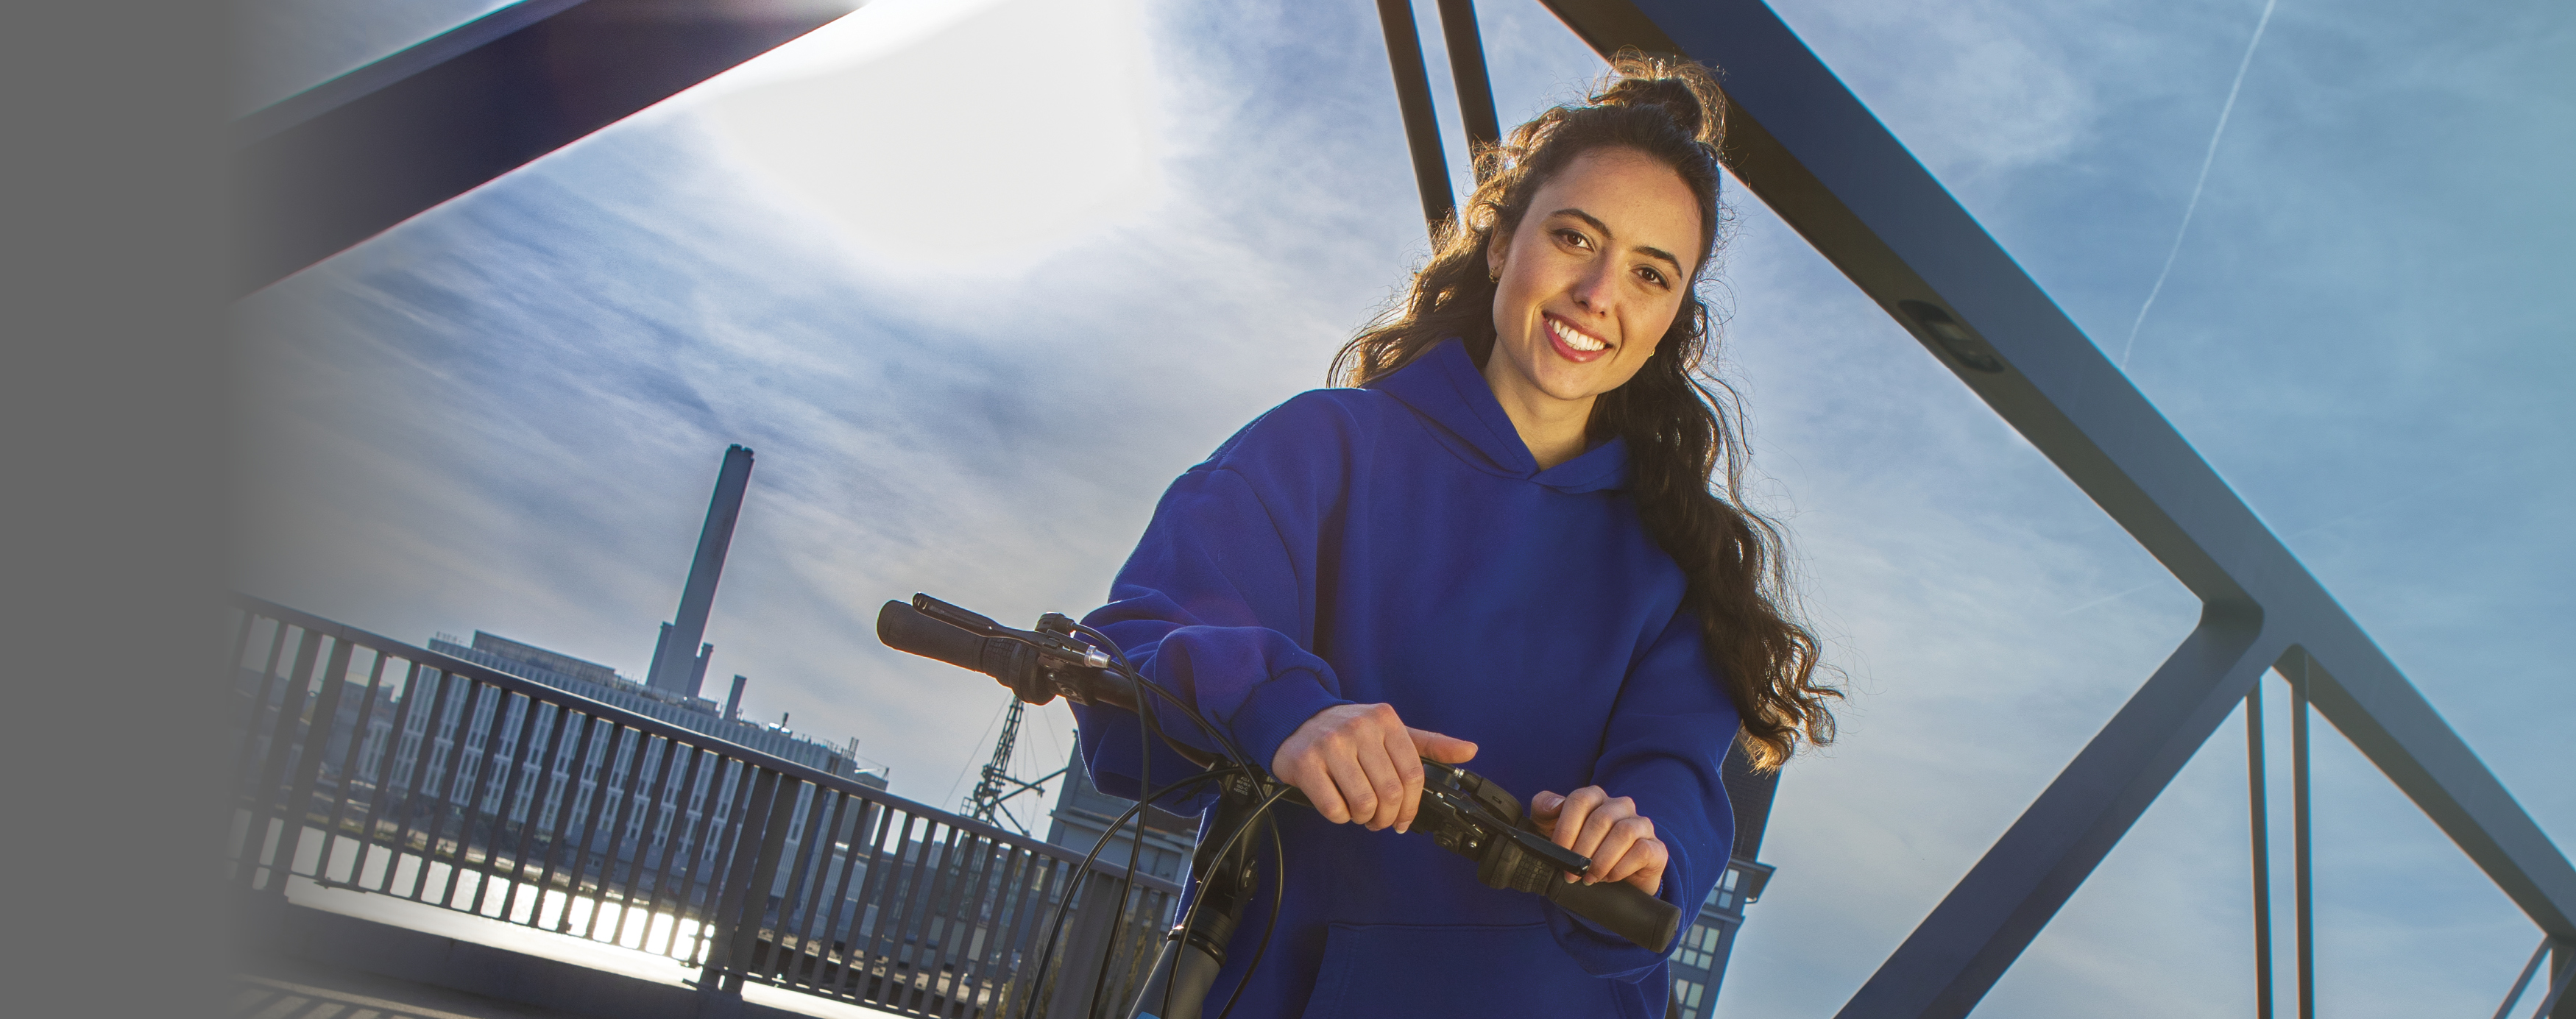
(1414, 970)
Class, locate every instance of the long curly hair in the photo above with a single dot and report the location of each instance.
(1681, 421)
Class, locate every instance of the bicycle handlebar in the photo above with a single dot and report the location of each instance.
(1460, 811)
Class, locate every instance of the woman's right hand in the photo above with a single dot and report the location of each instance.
(1359, 762)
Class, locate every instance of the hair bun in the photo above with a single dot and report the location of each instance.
(1684, 90)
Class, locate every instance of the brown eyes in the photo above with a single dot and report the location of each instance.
(1578, 240)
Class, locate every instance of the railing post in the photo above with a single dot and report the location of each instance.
(753, 864)
(272, 776)
(1089, 943)
(764, 876)
(298, 808)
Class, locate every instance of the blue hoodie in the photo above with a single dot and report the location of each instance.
(1399, 544)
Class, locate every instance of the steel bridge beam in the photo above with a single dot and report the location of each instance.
(322, 170)
(1812, 152)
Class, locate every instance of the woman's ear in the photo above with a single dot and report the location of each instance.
(1497, 251)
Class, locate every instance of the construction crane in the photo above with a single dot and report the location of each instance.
(986, 802)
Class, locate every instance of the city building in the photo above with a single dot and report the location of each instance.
(601, 683)
(1083, 814)
(1700, 954)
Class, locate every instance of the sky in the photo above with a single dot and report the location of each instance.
(977, 279)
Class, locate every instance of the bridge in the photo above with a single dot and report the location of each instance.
(763, 884)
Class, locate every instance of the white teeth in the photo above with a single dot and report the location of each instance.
(1575, 339)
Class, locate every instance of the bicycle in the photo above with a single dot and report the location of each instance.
(1460, 811)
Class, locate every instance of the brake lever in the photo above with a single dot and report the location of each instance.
(1475, 814)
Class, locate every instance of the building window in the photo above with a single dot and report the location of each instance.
(1690, 951)
(1724, 895)
(1686, 994)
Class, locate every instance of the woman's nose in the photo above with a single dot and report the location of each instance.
(1593, 292)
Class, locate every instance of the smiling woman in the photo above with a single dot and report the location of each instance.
(1592, 227)
(1500, 545)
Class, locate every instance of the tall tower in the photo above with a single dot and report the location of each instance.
(985, 803)
(675, 669)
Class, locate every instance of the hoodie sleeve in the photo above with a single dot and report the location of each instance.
(1658, 750)
(1217, 604)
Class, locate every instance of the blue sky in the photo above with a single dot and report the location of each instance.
(974, 325)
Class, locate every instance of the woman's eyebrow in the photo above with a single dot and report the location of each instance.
(1605, 232)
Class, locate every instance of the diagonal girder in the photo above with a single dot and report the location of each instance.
(1810, 150)
(322, 170)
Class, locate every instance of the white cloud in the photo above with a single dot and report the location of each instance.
(1980, 88)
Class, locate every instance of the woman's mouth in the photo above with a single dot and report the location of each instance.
(1574, 344)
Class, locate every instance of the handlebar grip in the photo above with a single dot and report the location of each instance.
(977, 623)
(907, 629)
(1647, 921)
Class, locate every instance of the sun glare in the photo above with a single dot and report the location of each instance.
(935, 139)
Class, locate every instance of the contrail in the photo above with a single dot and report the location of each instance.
(2205, 159)
(2107, 599)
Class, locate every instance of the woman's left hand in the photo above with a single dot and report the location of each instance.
(1620, 841)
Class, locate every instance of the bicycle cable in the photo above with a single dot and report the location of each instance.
(1278, 884)
(1148, 730)
(1146, 733)
(1226, 747)
(1055, 923)
(1278, 900)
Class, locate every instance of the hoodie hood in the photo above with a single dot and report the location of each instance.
(1444, 387)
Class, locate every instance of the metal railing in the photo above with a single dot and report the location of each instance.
(367, 764)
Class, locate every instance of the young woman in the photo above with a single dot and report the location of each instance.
(1500, 545)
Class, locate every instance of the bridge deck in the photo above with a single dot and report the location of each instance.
(283, 990)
